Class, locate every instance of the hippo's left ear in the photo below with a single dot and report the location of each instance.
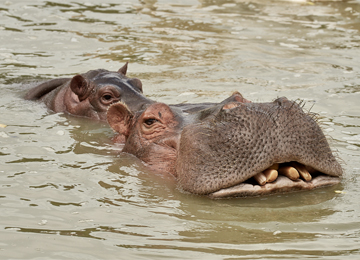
(80, 86)
(123, 69)
(136, 83)
(119, 118)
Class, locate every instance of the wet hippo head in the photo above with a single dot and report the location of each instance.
(90, 94)
(95, 90)
(231, 149)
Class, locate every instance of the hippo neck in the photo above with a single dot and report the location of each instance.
(55, 99)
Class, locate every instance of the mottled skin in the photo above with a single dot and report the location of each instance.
(217, 150)
(90, 94)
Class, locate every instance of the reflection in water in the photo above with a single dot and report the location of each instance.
(65, 184)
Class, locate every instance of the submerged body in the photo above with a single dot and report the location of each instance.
(90, 94)
(229, 149)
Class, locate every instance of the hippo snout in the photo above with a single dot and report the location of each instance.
(266, 147)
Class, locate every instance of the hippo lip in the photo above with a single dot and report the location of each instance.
(282, 184)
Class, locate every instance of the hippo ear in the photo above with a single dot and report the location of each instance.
(136, 83)
(123, 69)
(80, 86)
(119, 118)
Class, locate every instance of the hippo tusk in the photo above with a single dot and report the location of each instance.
(304, 173)
(260, 178)
(289, 172)
(271, 175)
(293, 171)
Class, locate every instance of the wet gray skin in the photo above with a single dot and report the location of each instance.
(219, 150)
(91, 93)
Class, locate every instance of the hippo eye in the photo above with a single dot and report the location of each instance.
(150, 121)
(107, 97)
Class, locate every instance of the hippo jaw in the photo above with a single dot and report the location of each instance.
(281, 185)
(226, 153)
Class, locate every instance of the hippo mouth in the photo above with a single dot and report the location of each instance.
(253, 149)
(279, 178)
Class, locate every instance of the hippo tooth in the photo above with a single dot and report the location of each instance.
(304, 173)
(289, 172)
(270, 174)
(275, 166)
(260, 178)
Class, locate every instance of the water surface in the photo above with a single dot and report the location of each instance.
(66, 193)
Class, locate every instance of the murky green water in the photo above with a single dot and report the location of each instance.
(67, 194)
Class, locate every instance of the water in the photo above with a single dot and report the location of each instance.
(66, 193)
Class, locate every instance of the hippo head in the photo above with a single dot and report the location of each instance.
(235, 148)
(91, 93)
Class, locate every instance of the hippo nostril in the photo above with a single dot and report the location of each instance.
(230, 105)
(282, 101)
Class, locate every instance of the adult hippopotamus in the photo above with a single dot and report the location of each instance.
(90, 94)
(235, 148)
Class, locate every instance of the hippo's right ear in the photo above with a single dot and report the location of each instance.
(119, 118)
(123, 69)
(80, 86)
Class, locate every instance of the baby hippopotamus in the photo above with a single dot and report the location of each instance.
(235, 148)
(90, 94)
